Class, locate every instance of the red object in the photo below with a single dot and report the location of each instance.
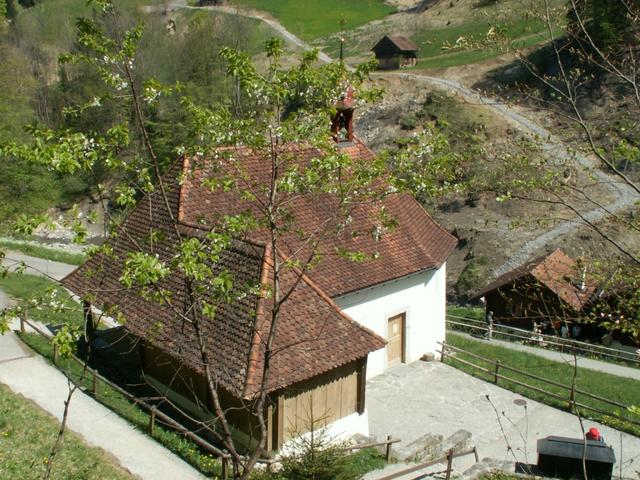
(593, 434)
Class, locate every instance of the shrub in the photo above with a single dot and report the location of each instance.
(408, 122)
(473, 276)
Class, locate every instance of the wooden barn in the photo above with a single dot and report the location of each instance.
(395, 51)
(552, 288)
(342, 323)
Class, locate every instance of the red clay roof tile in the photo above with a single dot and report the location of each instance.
(557, 272)
(313, 335)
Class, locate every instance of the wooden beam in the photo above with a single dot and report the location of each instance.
(271, 438)
(278, 431)
(362, 385)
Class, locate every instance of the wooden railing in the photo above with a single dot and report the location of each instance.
(501, 331)
(450, 455)
(156, 415)
(572, 390)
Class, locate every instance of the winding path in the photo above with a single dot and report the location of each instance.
(624, 196)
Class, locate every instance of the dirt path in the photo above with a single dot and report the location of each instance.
(263, 17)
(624, 196)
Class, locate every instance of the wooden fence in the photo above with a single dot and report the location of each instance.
(157, 416)
(570, 397)
(505, 332)
(450, 455)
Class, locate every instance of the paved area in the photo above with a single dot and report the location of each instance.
(420, 398)
(33, 378)
(5, 301)
(37, 266)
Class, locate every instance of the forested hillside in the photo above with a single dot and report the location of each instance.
(179, 47)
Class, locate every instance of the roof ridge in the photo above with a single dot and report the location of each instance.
(254, 349)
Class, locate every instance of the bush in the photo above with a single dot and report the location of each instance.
(408, 122)
(316, 456)
(473, 276)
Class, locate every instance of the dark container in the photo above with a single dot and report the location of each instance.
(561, 457)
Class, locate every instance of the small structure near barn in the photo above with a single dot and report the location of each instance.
(548, 287)
(395, 51)
(562, 457)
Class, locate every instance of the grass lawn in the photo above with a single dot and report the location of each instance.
(316, 18)
(474, 313)
(43, 252)
(26, 436)
(28, 287)
(623, 390)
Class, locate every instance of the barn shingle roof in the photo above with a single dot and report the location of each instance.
(313, 336)
(415, 244)
(557, 272)
(399, 42)
(403, 43)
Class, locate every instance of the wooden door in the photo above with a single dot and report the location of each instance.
(395, 339)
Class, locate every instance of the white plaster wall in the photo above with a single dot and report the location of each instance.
(422, 297)
(338, 431)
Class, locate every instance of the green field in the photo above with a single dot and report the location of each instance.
(619, 389)
(312, 18)
(26, 436)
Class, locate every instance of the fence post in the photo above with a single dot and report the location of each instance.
(388, 448)
(449, 463)
(94, 386)
(497, 372)
(444, 347)
(475, 454)
(152, 420)
(55, 353)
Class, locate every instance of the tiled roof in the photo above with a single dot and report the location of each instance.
(557, 271)
(415, 244)
(403, 43)
(313, 336)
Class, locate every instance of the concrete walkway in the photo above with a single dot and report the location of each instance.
(422, 398)
(32, 377)
(591, 364)
(37, 266)
(36, 380)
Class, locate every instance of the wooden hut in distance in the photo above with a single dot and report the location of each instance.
(395, 51)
